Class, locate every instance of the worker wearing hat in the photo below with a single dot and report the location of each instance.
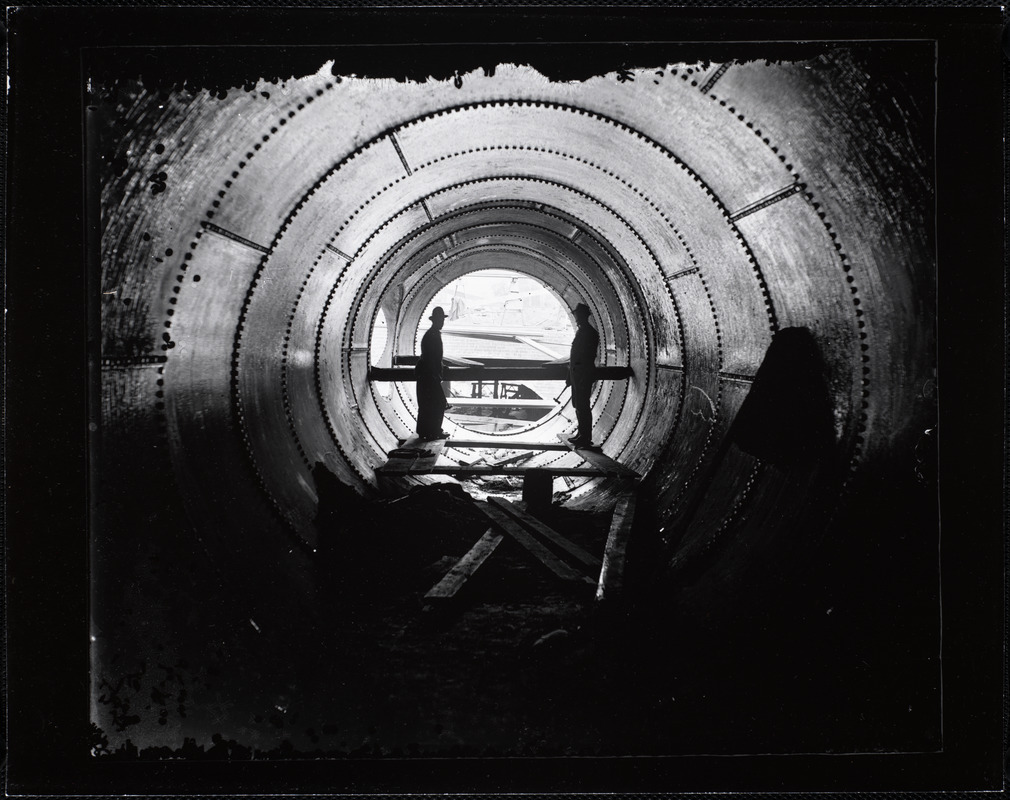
(582, 374)
(431, 403)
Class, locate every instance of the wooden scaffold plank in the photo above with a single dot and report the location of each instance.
(547, 533)
(601, 461)
(464, 569)
(539, 551)
(611, 582)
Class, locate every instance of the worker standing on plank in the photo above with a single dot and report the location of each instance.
(582, 374)
(431, 403)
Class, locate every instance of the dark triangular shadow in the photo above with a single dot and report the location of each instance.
(787, 417)
(786, 420)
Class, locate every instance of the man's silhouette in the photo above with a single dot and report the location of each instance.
(582, 374)
(431, 402)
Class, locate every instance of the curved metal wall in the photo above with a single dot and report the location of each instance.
(697, 211)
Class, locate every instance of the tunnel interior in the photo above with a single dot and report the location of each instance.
(754, 239)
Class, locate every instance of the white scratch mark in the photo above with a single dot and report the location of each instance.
(698, 413)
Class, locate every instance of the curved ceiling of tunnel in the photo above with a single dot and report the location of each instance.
(680, 220)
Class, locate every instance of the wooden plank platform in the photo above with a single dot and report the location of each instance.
(611, 581)
(407, 464)
(454, 579)
(490, 444)
(541, 553)
(550, 371)
(599, 465)
(547, 532)
(490, 402)
(603, 462)
(456, 361)
(459, 470)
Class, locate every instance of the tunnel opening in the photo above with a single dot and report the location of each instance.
(501, 318)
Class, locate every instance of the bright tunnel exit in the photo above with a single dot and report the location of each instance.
(501, 318)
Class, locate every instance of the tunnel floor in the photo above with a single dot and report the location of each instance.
(365, 671)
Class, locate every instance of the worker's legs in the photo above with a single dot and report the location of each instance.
(581, 392)
(430, 409)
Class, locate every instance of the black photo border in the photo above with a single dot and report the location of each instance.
(49, 356)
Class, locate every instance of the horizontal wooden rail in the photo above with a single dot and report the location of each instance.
(504, 444)
(406, 467)
(552, 372)
(501, 402)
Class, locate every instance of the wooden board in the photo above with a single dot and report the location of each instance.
(611, 582)
(390, 468)
(541, 553)
(548, 533)
(408, 465)
(454, 579)
(410, 361)
(416, 442)
(604, 463)
(490, 402)
(490, 444)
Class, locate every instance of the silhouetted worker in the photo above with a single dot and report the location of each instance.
(431, 402)
(582, 374)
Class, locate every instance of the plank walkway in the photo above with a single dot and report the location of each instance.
(512, 519)
(548, 533)
(464, 569)
(490, 444)
(407, 464)
(422, 467)
(611, 582)
(604, 463)
(541, 553)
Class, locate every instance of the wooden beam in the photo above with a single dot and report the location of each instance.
(545, 372)
(541, 553)
(547, 532)
(602, 462)
(455, 361)
(460, 470)
(490, 444)
(409, 361)
(463, 569)
(611, 582)
(530, 342)
(489, 402)
(411, 461)
(501, 462)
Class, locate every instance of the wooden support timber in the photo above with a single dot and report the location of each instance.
(539, 372)
(490, 444)
(611, 582)
(602, 462)
(410, 458)
(548, 533)
(422, 467)
(541, 553)
(456, 577)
